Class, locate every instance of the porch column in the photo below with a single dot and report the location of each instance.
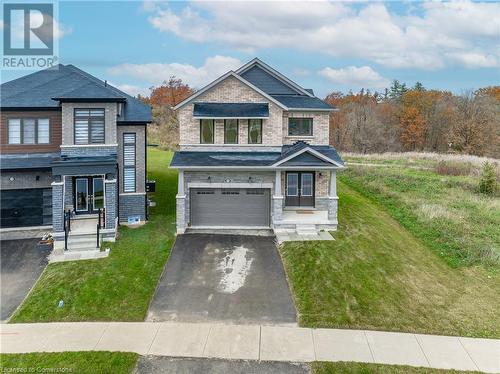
(110, 193)
(277, 208)
(181, 204)
(58, 206)
(333, 200)
(277, 184)
(333, 183)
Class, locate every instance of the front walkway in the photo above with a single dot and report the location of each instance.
(254, 342)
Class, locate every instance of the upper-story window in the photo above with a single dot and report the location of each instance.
(207, 131)
(254, 131)
(129, 162)
(89, 126)
(300, 126)
(29, 131)
(231, 131)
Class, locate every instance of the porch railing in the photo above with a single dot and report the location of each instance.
(99, 226)
(67, 227)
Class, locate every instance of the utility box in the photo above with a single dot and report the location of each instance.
(150, 186)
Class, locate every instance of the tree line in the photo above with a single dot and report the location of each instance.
(399, 119)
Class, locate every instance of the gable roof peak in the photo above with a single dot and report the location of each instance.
(275, 74)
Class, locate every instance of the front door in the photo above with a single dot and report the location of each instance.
(89, 194)
(299, 189)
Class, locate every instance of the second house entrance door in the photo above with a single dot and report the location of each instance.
(89, 194)
(299, 189)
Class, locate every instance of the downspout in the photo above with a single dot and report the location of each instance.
(146, 169)
(118, 193)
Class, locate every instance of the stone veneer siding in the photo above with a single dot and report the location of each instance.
(231, 90)
(86, 151)
(57, 207)
(321, 126)
(110, 111)
(132, 205)
(110, 196)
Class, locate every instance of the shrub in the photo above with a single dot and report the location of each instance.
(488, 181)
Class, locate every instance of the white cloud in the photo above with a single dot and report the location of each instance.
(197, 77)
(433, 35)
(132, 89)
(355, 77)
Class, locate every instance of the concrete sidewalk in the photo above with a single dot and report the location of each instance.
(255, 342)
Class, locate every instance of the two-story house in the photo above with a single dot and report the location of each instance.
(254, 153)
(71, 143)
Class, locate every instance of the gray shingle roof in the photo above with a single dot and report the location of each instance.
(27, 161)
(259, 159)
(302, 101)
(37, 90)
(231, 110)
(266, 82)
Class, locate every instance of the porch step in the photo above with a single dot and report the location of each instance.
(306, 229)
(82, 242)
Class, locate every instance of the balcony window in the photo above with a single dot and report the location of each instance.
(300, 126)
(231, 131)
(29, 131)
(89, 126)
(207, 131)
(254, 131)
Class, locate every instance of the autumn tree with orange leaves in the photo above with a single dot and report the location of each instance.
(165, 127)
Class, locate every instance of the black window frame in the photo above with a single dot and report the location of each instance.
(237, 130)
(301, 119)
(261, 130)
(21, 130)
(89, 125)
(213, 130)
(134, 167)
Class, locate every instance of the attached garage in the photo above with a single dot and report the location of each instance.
(26, 207)
(229, 207)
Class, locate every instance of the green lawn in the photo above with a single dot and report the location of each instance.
(359, 368)
(120, 287)
(445, 211)
(377, 275)
(68, 362)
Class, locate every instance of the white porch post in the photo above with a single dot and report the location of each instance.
(180, 188)
(277, 184)
(181, 204)
(333, 183)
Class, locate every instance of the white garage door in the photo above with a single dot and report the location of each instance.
(226, 207)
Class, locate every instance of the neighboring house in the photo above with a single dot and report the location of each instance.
(71, 142)
(254, 153)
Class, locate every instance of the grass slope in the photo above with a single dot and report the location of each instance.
(68, 362)
(445, 211)
(120, 287)
(377, 275)
(359, 368)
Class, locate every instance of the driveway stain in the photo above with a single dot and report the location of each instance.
(235, 268)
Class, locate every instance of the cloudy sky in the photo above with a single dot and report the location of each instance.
(327, 46)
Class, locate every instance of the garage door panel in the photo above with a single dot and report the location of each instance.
(29, 207)
(230, 207)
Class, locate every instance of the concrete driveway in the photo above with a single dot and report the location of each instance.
(22, 263)
(231, 278)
